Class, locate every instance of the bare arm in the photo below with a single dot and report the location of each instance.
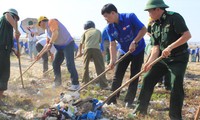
(51, 40)
(54, 36)
(155, 51)
(49, 44)
(36, 32)
(80, 50)
(139, 36)
(26, 35)
(113, 53)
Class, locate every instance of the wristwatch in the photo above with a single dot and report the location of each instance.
(134, 42)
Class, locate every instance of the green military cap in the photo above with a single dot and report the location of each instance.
(155, 4)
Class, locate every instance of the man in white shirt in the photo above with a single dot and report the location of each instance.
(39, 46)
(32, 39)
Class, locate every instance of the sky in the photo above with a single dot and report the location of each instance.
(74, 13)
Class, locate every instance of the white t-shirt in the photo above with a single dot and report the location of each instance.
(43, 43)
(32, 37)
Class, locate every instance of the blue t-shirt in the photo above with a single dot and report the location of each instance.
(193, 51)
(104, 38)
(125, 32)
(15, 43)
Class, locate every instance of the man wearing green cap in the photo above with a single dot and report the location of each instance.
(31, 35)
(8, 22)
(169, 36)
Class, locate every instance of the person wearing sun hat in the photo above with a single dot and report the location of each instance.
(31, 35)
(169, 36)
(13, 13)
(8, 22)
(58, 35)
(30, 22)
(42, 19)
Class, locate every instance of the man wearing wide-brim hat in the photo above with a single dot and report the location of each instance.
(8, 22)
(169, 36)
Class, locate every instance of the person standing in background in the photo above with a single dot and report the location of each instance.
(197, 53)
(105, 44)
(193, 55)
(31, 35)
(45, 57)
(91, 39)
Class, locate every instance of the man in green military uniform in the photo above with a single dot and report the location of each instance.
(7, 22)
(169, 35)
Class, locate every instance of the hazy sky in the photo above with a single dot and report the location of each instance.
(74, 13)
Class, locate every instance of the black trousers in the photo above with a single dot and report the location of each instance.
(136, 64)
(166, 78)
(177, 67)
(197, 57)
(4, 69)
(44, 57)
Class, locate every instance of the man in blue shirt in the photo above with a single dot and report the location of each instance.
(105, 46)
(128, 31)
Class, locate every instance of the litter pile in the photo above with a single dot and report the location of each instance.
(69, 108)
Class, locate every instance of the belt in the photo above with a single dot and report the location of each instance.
(179, 53)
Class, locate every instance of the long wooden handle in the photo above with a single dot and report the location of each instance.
(197, 114)
(119, 60)
(20, 67)
(31, 65)
(18, 53)
(52, 68)
(129, 81)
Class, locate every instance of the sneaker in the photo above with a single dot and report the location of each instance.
(74, 87)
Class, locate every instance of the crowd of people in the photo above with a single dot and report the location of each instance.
(124, 33)
(194, 54)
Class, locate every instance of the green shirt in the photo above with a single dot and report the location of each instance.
(167, 30)
(6, 34)
(91, 38)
